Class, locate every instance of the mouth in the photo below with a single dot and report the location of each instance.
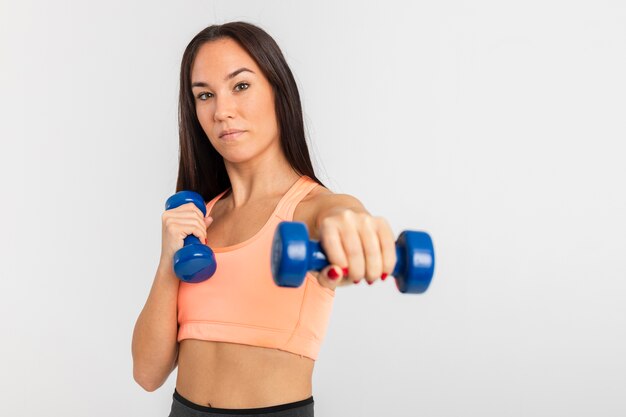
(232, 135)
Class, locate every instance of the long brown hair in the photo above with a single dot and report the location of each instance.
(201, 168)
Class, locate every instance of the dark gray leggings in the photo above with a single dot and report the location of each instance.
(182, 407)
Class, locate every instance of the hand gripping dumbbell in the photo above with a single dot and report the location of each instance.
(293, 254)
(194, 262)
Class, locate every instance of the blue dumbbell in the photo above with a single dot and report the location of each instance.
(194, 262)
(293, 254)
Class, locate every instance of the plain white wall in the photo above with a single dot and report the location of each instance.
(498, 127)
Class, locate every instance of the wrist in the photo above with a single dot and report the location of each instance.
(166, 265)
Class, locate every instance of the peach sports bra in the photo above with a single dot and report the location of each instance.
(241, 303)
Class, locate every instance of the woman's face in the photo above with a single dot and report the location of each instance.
(231, 93)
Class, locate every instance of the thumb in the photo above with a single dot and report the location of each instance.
(330, 276)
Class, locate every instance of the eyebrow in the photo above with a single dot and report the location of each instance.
(228, 77)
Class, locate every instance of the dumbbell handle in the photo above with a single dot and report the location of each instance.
(318, 261)
(191, 240)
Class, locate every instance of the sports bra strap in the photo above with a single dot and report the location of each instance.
(210, 204)
(288, 204)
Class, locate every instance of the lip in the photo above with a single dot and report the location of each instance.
(231, 133)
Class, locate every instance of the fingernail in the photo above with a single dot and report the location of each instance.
(369, 283)
(383, 276)
(205, 241)
(333, 274)
(357, 281)
(345, 272)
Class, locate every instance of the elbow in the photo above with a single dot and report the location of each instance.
(144, 384)
(148, 384)
(151, 375)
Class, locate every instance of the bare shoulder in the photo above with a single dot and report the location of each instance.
(317, 201)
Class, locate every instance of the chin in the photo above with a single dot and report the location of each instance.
(237, 157)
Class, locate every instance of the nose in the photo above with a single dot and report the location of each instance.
(224, 108)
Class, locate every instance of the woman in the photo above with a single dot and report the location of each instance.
(242, 344)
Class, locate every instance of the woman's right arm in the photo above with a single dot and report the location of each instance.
(154, 345)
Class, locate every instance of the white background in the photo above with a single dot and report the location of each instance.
(498, 127)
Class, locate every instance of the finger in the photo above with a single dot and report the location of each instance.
(330, 276)
(193, 226)
(387, 246)
(330, 240)
(174, 220)
(353, 248)
(190, 207)
(200, 233)
(371, 250)
(186, 214)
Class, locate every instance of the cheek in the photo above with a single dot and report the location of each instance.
(258, 113)
(267, 115)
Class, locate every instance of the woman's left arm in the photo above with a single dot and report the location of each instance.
(354, 241)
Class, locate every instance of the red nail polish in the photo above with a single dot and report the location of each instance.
(369, 283)
(383, 276)
(333, 274)
(357, 281)
(345, 272)
(205, 241)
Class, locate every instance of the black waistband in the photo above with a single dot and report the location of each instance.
(261, 410)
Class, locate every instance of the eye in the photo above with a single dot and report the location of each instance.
(199, 96)
(242, 84)
(246, 84)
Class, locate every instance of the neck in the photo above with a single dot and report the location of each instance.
(259, 180)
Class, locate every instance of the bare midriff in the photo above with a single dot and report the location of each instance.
(230, 375)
